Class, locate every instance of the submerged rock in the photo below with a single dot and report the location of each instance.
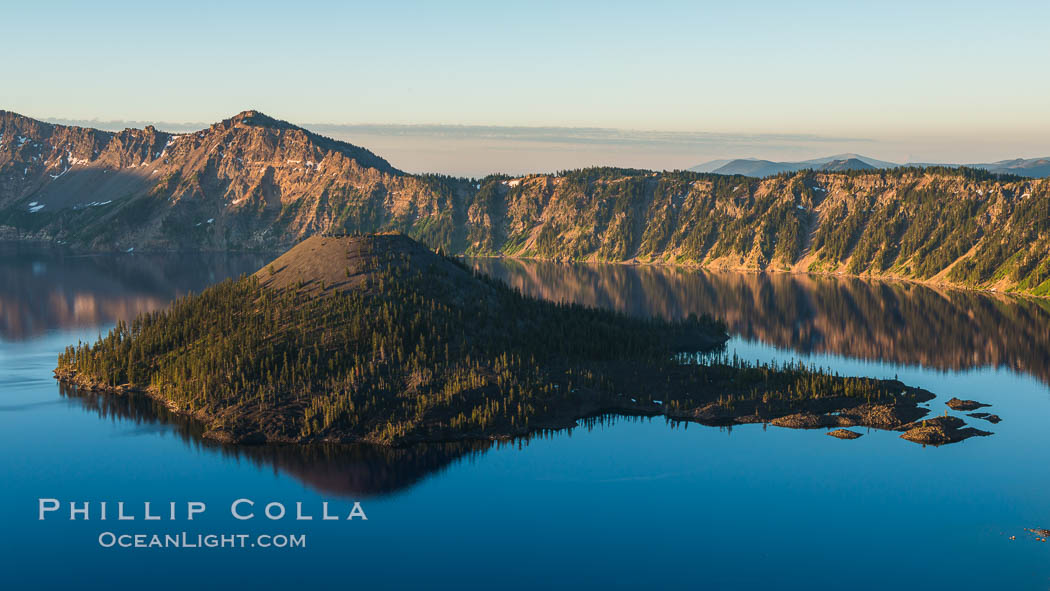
(844, 434)
(987, 416)
(957, 404)
(940, 430)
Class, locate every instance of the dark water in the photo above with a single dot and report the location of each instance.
(618, 503)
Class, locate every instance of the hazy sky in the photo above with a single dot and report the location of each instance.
(958, 81)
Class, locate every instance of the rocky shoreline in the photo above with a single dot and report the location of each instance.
(904, 416)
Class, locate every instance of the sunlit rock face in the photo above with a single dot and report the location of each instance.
(254, 182)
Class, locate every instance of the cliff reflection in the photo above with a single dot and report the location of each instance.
(352, 471)
(889, 321)
(45, 289)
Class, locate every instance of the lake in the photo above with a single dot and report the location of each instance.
(613, 503)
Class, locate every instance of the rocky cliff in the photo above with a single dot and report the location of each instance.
(249, 182)
(253, 182)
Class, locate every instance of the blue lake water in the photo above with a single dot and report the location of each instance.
(622, 503)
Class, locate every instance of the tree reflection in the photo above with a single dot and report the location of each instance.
(352, 471)
(890, 321)
(47, 289)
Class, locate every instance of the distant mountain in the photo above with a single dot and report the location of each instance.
(714, 165)
(871, 162)
(754, 167)
(846, 164)
(1031, 167)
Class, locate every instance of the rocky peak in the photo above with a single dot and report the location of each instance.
(255, 118)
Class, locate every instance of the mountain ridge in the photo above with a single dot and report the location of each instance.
(759, 168)
(252, 182)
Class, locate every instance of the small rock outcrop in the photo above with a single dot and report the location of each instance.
(808, 420)
(957, 404)
(1040, 534)
(885, 416)
(845, 434)
(939, 431)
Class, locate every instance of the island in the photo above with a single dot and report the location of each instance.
(377, 339)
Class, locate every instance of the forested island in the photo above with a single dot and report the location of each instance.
(378, 339)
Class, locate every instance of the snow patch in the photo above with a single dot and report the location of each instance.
(33, 207)
(92, 204)
(73, 160)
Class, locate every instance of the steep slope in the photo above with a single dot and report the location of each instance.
(959, 227)
(252, 182)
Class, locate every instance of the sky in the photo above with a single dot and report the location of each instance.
(904, 81)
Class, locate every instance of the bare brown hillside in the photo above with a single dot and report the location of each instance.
(325, 263)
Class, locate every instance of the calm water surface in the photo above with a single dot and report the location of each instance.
(620, 503)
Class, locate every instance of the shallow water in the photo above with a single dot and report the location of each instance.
(620, 503)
